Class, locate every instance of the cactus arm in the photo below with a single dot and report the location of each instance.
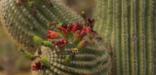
(86, 62)
(62, 13)
(22, 24)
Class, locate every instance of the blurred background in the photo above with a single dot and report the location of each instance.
(12, 62)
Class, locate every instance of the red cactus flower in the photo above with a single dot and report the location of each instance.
(61, 43)
(75, 27)
(52, 35)
(85, 31)
(36, 66)
(82, 34)
(64, 29)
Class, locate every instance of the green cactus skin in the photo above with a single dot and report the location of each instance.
(104, 26)
(154, 38)
(22, 24)
(132, 22)
(87, 62)
(104, 18)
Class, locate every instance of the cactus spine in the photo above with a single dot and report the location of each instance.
(132, 22)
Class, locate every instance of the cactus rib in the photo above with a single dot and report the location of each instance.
(133, 26)
(22, 23)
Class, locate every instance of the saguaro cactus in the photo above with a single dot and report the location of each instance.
(28, 21)
(132, 22)
(126, 25)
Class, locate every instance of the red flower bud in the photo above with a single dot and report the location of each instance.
(52, 35)
(85, 31)
(61, 43)
(75, 27)
(36, 66)
(64, 29)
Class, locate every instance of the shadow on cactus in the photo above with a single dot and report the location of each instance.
(62, 41)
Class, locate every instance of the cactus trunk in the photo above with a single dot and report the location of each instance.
(154, 55)
(104, 18)
(132, 22)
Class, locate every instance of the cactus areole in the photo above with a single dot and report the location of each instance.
(64, 42)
